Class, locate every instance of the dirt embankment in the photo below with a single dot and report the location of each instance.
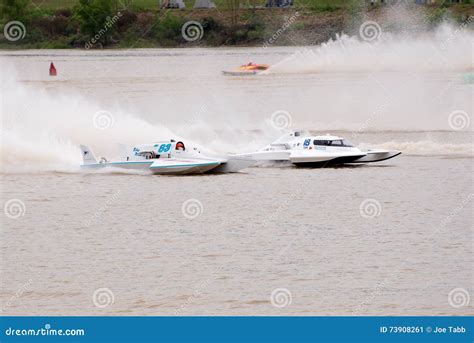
(217, 27)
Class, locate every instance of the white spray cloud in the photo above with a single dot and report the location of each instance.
(399, 82)
(42, 130)
(448, 48)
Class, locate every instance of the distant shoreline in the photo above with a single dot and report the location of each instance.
(254, 27)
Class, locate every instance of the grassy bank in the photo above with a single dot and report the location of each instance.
(93, 24)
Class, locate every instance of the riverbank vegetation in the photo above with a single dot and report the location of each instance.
(95, 24)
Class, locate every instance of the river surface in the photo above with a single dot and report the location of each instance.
(392, 238)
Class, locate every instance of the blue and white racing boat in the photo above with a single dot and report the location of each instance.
(167, 157)
(303, 149)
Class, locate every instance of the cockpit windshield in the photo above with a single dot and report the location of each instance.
(345, 142)
(336, 142)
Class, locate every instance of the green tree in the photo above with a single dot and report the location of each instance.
(95, 17)
(14, 9)
(167, 29)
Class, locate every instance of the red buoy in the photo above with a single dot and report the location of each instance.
(52, 70)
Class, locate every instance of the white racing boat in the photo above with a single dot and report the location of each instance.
(317, 151)
(168, 157)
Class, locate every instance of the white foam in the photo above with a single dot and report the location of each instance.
(42, 130)
(449, 48)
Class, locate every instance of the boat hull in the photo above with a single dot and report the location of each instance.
(240, 72)
(183, 169)
(377, 156)
(159, 167)
(317, 158)
(329, 162)
(275, 155)
(122, 165)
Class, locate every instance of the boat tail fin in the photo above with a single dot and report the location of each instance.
(88, 155)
